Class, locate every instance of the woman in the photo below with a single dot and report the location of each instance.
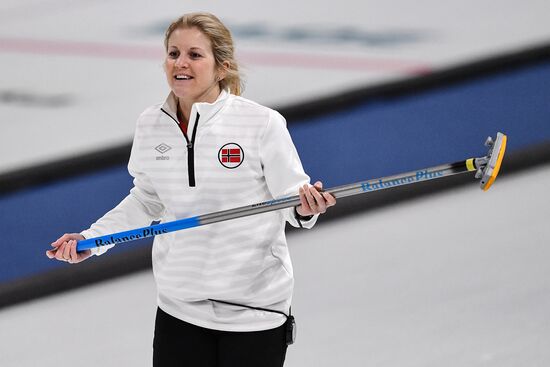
(224, 290)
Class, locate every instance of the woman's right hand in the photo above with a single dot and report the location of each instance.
(64, 249)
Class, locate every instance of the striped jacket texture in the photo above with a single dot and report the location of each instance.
(236, 152)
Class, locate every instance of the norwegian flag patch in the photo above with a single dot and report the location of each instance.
(231, 155)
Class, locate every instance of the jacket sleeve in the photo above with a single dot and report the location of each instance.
(141, 207)
(281, 165)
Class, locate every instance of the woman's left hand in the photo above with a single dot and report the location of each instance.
(313, 200)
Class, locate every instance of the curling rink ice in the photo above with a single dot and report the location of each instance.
(459, 278)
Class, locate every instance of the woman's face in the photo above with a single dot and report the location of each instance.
(190, 66)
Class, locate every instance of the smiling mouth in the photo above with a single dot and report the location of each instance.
(183, 77)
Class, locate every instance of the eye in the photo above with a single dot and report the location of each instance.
(174, 54)
(194, 55)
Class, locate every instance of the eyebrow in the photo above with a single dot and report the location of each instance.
(191, 48)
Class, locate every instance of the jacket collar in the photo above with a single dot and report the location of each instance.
(206, 110)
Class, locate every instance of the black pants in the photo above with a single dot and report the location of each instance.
(178, 343)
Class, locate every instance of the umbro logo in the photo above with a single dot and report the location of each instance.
(162, 149)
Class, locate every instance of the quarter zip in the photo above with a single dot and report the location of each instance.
(191, 153)
(190, 148)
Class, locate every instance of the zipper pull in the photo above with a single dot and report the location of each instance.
(190, 145)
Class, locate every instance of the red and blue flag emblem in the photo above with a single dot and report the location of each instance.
(231, 155)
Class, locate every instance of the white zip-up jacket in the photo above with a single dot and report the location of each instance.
(236, 152)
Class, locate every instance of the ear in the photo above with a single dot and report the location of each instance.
(222, 73)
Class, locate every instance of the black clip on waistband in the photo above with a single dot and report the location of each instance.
(290, 321)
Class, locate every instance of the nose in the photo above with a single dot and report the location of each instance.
(182, 62)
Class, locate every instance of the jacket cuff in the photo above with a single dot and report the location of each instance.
(301, 219)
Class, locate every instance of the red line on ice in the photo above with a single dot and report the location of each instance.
(281, 59)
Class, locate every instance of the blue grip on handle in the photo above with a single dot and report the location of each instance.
(137, 234)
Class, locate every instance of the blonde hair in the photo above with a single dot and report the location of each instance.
(222, 45)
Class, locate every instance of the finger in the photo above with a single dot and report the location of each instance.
(73, 253)
(60, 240)
(309, 197)
(331, 200)
(320, 204)
(67, 251)
(303, 209)
(316, 194)
(318, 185)
(304, 192)
(59, 252)
(65, 238)
(303, 200)
(50, 253)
